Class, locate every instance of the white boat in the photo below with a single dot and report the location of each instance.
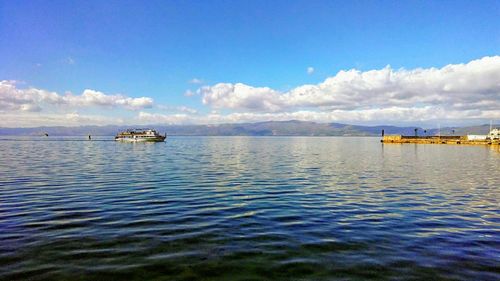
(140, 135)
(494, 134)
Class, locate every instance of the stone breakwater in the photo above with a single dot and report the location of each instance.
(436, 140)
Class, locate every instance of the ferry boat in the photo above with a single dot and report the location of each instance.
(494, 134)
(140, 135)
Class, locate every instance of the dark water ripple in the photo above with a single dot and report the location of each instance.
(245, 208)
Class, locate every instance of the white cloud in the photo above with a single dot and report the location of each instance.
(96, 98)
(176, 109)
(13, 98)
(187, 109)
(196, 81)
(391, 115)
(30, 107)
(189, 93)
(471, 86)
(70, 60)
(310, 70)
(459, 92)
(30, 119)
(241, 96)
(156, 118)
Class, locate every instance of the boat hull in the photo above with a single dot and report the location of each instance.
(156, 139)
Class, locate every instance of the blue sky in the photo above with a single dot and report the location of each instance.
(154, 49)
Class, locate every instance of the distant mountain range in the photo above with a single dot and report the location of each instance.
(271, 128)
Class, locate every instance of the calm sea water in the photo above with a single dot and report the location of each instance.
(248, 208)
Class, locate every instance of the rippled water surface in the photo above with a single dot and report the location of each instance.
(248, 208)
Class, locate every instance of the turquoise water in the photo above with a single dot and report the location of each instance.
(247, 208)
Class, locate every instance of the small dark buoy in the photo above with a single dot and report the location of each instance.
(90, 137)
(45, 134)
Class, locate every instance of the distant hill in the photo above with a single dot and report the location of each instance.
(270, 128)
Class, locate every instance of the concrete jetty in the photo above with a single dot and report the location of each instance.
(438, 140)
(492, 138)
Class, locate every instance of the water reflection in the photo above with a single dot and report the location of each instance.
(248, 207)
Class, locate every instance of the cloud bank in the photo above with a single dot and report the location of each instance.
(456, 92)
(13, 98)
(471, 86)
(32, 119)
(398, 115)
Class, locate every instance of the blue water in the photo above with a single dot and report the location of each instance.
(247, 208)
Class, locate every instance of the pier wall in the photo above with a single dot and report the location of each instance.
(436, 140)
